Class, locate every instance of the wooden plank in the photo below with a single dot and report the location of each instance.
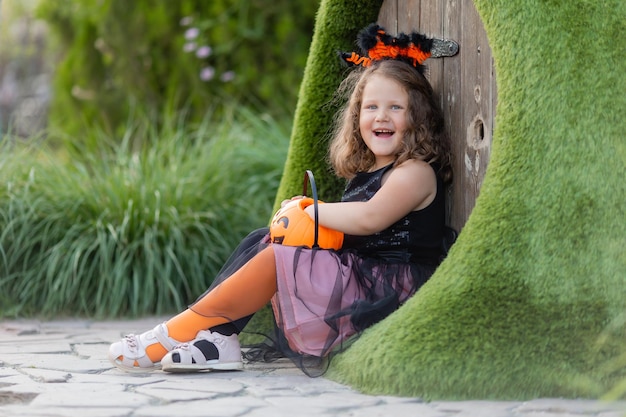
(388, 15)
(451, 102)
(465, 156)
(431, 24)
(409, 15)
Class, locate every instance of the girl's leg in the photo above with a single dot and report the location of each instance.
(245, 292)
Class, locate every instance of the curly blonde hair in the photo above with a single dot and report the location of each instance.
(425, 137)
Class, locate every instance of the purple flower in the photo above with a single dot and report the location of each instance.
(204, 51)
(192, 33)
(186, 21)
(189, 47)
(207, 73)
(227, 76)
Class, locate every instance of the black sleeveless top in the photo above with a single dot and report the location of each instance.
(417, 237)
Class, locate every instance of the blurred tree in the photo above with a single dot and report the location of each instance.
(156, 55)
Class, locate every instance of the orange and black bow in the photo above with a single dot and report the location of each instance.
(376, 45)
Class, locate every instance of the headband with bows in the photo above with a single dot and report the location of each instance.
(415, 48)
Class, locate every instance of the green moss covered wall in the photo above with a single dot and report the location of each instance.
(531, 301)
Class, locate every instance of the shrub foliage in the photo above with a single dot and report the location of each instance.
(132, 225)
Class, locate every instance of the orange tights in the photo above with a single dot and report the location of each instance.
(243, 293)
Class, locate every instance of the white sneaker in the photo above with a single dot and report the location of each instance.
(208, 351)
(129, 354)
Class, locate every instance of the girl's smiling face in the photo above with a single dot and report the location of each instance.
(383, 118)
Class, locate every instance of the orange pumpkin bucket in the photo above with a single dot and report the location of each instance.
(292, 226)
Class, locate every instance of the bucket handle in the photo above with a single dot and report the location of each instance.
(309, 178)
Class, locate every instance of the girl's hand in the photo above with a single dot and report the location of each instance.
(285, 202)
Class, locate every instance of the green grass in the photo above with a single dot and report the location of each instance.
(106, 226)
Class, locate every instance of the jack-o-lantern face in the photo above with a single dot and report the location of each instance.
(291, 226)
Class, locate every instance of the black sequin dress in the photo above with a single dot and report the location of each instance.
(326, 296)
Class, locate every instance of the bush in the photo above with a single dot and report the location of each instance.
(133, 225)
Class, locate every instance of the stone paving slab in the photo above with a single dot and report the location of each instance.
(59, 368)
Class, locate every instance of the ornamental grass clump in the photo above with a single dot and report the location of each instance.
(133, 225)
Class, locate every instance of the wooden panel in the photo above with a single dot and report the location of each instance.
(465, 85)
(451, 100)
(388, 15)
(409, 14)
(431, 24)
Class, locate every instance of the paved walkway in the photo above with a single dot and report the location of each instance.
(59, 368)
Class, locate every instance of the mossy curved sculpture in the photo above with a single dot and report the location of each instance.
(531, 301)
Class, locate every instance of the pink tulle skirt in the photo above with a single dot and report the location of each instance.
(317, 292)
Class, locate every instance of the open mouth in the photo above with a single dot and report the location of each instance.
(383, 133)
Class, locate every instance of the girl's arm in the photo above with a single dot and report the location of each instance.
(410, 186)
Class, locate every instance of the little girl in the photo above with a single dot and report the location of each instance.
(389, 142)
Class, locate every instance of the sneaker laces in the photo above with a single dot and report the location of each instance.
(131, 342)
(183, 346)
